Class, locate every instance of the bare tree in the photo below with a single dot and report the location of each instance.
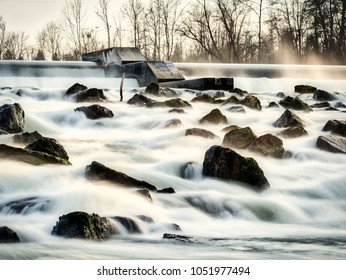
(102, 12)
(49, 40)
(118, 31)
(15, 45)
(2, 35)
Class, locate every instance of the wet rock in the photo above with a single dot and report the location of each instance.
(140, 100)
(231, 100)
(294, 103)
(97, 171)
(49, 146)
(340, 104)
(173, 123)
(324, 104)
(173, 103)
(239, 138)
(273, 105)
(200, 132)
(167, 92)
(214, 117)
(90, 95)
(30, 156)
(211, 93)
(146, 194)
(251, 102)
(204, 98)
(268, 145)
(293, 132)
(129, 224)
(236, 109)
(336, 127)
(145, 219)
(226, 164)
(239, 91)
(280, 95)
(176, 237)
(332, 143)
(331, 109)
(230, 128)
(27, 137)
(288, 119)
(304, 89)
(178, 111)
(323, 95)
(95, 112)
(85, 226)
(152, 88)
(25, 205)
(76, 88)
(167, 190)
(12, 118)
(7, 235)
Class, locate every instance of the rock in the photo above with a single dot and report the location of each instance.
(12, 118)
(288, 119)
(173, 103)
(273, 105)
(240, 138)
(95, 112)
(323, 95)
(29, 156)
(230, 128)
(90, 95)
(239, 91)
(27, 137)
(139, 99)
(25, 205)
(85, 226)
(293, 132)
(280, 95)
(231, 100)
(204, 98)
(167, 92)
(251, 102)
(167, 190)
(332, 143)
(236, 109)
(176, 237)
(321, 105)
(129, 224)
(178, 111)
(214, 117)
(304, 89)
(145, 193)
(211, 93)
(336, 127)
(75, 89)
(200, 132)
(226, 164)
(7, 235)
(340, 104)
(331, 109)
(49, 146)
(152, 88)
(173, 123)
(97, 171)
(268, 145)
(294, 103)
(145, 219)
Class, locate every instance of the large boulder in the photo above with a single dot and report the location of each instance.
(7, 235)
(239, 138)
(293, 132)
(200, 132)
(322, 95)
(336, 127)
(76, 88)
(226, 164)
(85, 226)
(139, 99)
(268, 145)
(95, 112)
(29, 156)
(294, 103)
(288, 119)
(27, 137)
(214, 117)
(251, 102)
(98, 171)
(12, 118)
(304, 89)
(90, 95)
(332, 143)
(49, 146)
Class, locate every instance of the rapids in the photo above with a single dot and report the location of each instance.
(301, 216)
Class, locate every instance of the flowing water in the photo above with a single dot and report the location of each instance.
(301, 216)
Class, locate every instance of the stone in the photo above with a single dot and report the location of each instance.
(236, 109)
(204, 98)
(288, 119)
(230, 128)
(214, 117)
(239, 138)
(200, 132)
(336, 127)
(12, 118)
(211, 93)
(25, 205)
(95, 112)
(173, 123)
(323, 104)
(273, 104)
(76, 88)
(224, 163)
(129, 224)
(268, 145)
(178, 111)
(90, 95)
(304, 89)
(167, 190)
(231, 100)
(239, 91)
(173, 103)
(49, 146)
(145, 193)
(7, 235)
(251, 102)
(27, 137)
(332, 143)
(84, 226)
(294, 103)
(322, 95)
(293, 132)
(139, 99)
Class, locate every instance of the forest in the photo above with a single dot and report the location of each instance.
(222, 31)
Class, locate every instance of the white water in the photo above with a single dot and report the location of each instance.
(301, 216)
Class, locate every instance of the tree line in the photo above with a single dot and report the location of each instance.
(226, 31)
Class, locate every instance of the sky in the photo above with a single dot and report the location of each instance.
(32, 15)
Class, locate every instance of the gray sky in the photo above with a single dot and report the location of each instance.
(32, 15)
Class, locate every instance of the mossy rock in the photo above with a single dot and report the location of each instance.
(240, 138)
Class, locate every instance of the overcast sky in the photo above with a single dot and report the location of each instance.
(32, 15)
